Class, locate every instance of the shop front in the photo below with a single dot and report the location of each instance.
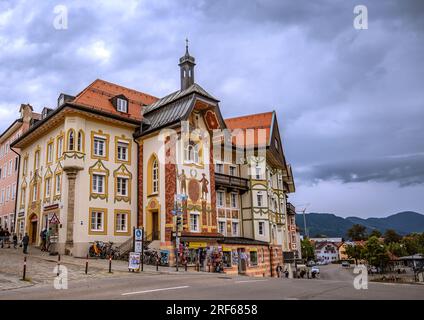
(51, 224)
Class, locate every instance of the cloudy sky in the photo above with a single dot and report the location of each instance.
(350, 102)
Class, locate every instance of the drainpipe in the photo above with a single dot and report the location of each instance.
(137, 187)
(17, 188)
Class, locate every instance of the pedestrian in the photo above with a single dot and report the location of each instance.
(278, 269)
(25, 241)
(43, 239)
(2, 237)
(48, 235)
(15, 241)
(7, 237)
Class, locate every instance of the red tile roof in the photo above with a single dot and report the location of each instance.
(256, 122)
(98, 94)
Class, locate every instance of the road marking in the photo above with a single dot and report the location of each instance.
(154, 290)
(244, 281)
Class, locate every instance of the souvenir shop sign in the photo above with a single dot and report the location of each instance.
(226, 249)
(194, 245)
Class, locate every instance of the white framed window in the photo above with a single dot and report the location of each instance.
(194, 222)
(98, 183)
(58, 183)
(122, 151)
(220, 198)
(34, 192)
(234, 200)
(259, 198)
(5, 171)
(25, 166)
(71, 140)
(50, 152)
(99, 146)
(16, 164)
(235, 228)
(13, 191)
(23, 195)
(155, 176)
(192, 153)
(122, 186)
(59, 147)
(122, 222)
(10, 167)
(233, 170)
(7, 193)
(97, 220)
(219, 167)
(2, 196)
(221, 227)
(48, 186)
(122, 105)
(261, 228)
(258, 172)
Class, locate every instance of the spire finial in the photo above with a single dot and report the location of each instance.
(186, 45)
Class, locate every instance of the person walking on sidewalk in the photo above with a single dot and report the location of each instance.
(7, 237)
(25, 241)
(15, 241)
(2, 233)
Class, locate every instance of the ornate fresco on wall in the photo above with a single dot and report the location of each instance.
(193, 190)
(211, 120)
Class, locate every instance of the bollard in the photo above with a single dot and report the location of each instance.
(157, 265)
(185, 265)
(86, 265)
(110, 264)
(24, 272)
(58, 265)
(198, 266)
(209, 267)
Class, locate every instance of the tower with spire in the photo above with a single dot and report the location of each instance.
(187, 69)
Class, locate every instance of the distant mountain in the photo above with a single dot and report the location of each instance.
(331, 225)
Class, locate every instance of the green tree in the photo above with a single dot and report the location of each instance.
(375, 233)
(391, 236)
(308, 251)
(375, 252)
(355, 252)
(357, 232)
(398, 249)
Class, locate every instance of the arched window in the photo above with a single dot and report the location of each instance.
(80, 141)
(71, 140)
(192, 153)
(155, 176)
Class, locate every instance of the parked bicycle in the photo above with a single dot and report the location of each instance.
(103, 250)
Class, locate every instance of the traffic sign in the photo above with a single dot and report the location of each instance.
(138, 235)
(54, 219)
(138, 246)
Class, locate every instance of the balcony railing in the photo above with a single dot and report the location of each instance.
(290, 208)
(228, 181)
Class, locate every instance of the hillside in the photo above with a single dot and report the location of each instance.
(334, 226)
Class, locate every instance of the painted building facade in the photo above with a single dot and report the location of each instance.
(9, 165)
(78, 170)
(111, 158)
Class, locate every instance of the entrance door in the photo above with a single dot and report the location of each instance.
(33, 229)
(155, 226)
(242, 265)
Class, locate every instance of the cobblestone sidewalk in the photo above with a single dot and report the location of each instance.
(41, 268)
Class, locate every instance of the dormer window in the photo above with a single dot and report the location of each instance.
(122, 105)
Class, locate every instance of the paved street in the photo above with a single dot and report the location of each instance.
(334, 283)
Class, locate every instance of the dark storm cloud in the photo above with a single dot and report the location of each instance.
(406, 170)
(347, 100)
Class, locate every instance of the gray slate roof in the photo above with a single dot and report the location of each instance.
(171, 108)
(176, 95)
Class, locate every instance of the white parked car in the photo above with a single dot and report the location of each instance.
(315, 269)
